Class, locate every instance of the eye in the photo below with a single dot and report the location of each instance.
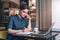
(24, 11)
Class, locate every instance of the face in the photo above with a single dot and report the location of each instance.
(23, 12)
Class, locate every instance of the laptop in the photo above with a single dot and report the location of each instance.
(46, 33)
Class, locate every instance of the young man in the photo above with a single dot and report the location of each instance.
(18, 23)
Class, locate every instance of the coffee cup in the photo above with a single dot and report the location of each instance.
(35, 29)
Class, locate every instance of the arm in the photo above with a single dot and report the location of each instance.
(10, 26)
(29, 24)
(11, 31)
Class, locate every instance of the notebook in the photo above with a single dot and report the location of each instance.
(24, 33)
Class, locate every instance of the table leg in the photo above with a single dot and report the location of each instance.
(53, 38)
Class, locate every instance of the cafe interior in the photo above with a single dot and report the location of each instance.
(40, 12)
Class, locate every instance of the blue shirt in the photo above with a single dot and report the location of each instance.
(16, 23)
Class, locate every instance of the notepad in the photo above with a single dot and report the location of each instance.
(24, 32)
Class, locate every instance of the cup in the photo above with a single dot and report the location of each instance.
(35, 29)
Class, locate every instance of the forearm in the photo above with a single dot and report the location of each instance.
(14, 31)
(29, 19)
(29, 24)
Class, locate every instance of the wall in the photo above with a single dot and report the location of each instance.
(44, 14)
(15, 1)
(56, 14)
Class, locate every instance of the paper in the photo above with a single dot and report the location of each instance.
(24, 33)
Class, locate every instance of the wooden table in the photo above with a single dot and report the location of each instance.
(47, 37)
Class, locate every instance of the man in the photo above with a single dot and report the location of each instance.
(18, 23)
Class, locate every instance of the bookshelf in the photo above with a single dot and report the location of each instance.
(4, 12)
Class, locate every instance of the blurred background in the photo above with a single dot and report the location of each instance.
(11, 7)
(42, 12)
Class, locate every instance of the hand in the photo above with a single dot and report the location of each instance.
(28, 17)
(26, 30)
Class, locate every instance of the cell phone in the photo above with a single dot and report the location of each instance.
(25, 16)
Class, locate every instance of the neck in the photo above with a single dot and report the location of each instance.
(19, 16)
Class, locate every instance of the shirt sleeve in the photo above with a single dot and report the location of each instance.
(10, 23)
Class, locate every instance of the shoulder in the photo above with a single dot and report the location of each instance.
(12, 16)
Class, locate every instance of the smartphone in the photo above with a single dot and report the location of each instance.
(25, 16)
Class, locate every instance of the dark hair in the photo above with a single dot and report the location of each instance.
(23, 6)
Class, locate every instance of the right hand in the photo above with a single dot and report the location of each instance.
(28, 17)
